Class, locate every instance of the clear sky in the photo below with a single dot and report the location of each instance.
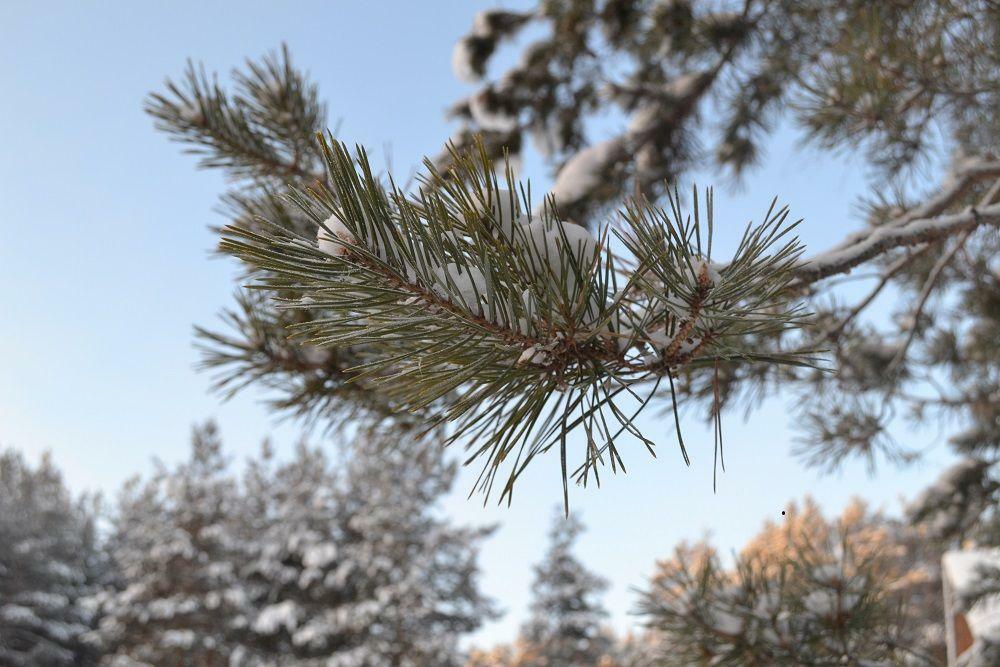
(104, 268)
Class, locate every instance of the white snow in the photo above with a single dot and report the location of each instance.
(461, 60)
(549, 244)
(481, 24)
(490, 118)
(689, 345)
(505, 208)
(319, 555)
(533, 355)
(466, 283)
(842, 258)
(334, 244)
(578, 240)
(822, 602)
(12, 613)
(699, 267)
(272, 618)
(961, 571)
(726, 623)
(586, 171)
(648, 116)
(179, 638)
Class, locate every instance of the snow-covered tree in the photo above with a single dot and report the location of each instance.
(49, 564)
(310, 561)
(459, 301)
(858, 590)
(566, 623)
(176, 549)
(352, 565)
(566, 626)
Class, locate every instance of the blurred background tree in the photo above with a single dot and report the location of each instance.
(298, 563)
(567, 625)
(50, 563)
(861, 589)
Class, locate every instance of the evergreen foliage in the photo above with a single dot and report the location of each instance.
(297, 563)
(49, 564)
(566, 625)
(176, 549)
(350, 566)
(859, 590)
(463, 301)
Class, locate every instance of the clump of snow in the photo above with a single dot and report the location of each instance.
(651, 115)
(823, 603)
(689, 345)
(483, 24)
(964, 580)
(179, 638)
(334, 241)
(12, 613)
(467, 59)
(586, 171)
(488, 114)
(468, 283)
(726, 623)
(551, 245)
(319, 555)
(535, 356)
(701, 270)
(578, 240)
(276, 616)
(505, 209)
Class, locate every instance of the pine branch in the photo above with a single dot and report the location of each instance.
(263, 131)
(883, 239)
(515, 327)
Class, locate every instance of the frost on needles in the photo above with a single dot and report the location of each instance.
(517, 327)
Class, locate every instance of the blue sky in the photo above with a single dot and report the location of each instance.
(105, 267)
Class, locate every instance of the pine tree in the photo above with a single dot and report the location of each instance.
(305, 562)
(49, 565)
(566, 626)
(355, 568)
(566, 622)
(538, 331)
(859, 590)
(176, 549)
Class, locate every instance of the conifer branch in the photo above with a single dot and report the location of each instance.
(514, 326)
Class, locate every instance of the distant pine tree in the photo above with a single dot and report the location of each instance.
(350, 566)
(566, 625)
(304, 562)
(861, 589)
(48, 565)
(174, 543)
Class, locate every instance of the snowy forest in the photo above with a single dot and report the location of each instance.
(412, 326)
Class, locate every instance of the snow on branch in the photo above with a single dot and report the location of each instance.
(882, 239)
(959, 181)
(510, 323)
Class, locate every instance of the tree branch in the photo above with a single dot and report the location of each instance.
(882, 239)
